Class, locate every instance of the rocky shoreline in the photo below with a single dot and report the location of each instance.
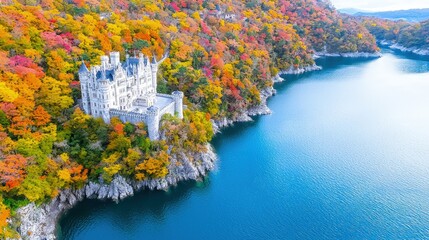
(314, 67)
(39, 222)
(295, 71)
(245, 116)
(396, 46)
(348, 55)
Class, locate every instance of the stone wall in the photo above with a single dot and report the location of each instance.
(170, 108)
(126, 116)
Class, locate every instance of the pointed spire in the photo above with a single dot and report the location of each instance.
(147, 61)
(83, 68)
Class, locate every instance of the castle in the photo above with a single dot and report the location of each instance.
(128, 91)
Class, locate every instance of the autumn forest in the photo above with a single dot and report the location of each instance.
(222, 53)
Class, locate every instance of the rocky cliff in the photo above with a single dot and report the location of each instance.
(397, 46)
(39, 222)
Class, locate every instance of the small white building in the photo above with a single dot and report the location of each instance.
(127, 90)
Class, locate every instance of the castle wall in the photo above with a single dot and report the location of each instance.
(170, 108)
(151, 119)
(131, 117)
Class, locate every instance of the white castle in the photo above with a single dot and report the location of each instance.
(127, 90)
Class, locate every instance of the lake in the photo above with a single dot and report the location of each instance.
(345, 155)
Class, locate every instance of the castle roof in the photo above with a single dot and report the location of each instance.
(132, 62)
(109, 74)
(83, 68)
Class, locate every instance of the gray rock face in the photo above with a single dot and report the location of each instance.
(295, 71)
(221, 123)
(34, 222)
(39, 222)
(278, 79)
(349, 55)
(118, 189)
(262, 109)
(245, 116)
(418, 51)
(396, 46)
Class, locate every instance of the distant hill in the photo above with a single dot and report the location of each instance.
(411, 15)
(351, 11)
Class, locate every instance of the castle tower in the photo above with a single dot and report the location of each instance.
(153, 123)
(104, 62)
(154, 68)
(84, 78)
(178, 103)
(104, 100)
(115, 59)
(140, 74)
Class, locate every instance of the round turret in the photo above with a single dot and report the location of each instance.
(103, 101)
(154, 69)
(177, 94)
(178, 103)
(153, 122)
(84, 78)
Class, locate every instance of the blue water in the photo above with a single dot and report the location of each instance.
(345, 155)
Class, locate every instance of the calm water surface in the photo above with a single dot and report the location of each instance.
(345, 155)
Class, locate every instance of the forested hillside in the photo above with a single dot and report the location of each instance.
(406, 34)
(222, 53)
